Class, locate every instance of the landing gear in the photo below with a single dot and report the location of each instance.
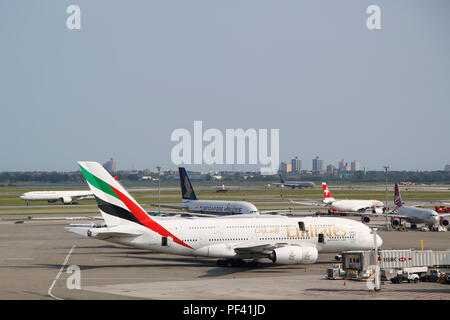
(224, 263)
(236, 263)
(434, 228)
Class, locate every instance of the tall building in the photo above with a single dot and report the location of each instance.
(355, 165)
(317, 164)
(110, 165)
(285, 167)
(447, 167)
(342, 166)
(296, 165)
(288, 167)
(331, 169)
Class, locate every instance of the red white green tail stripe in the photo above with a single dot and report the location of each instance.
(114, 202)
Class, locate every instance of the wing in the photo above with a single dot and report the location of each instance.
(390, 215)
(164, 213)
(257, 247)
(83, 197)
(444, 214)
(275, 211)
(308, 202)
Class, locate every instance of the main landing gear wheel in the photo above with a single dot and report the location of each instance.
(225, 263)
(234, 263)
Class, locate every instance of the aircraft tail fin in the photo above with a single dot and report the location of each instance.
(281, 178)
(326, 192)
(115, 204)
(187, 192)
(397, 197)
(118, 208)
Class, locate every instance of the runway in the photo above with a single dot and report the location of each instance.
(36, 255)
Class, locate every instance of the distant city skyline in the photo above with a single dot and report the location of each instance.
(285, 166)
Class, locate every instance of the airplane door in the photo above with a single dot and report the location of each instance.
(166, 241)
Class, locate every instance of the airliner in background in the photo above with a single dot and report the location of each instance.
(222, 188)
(415, 215)
(293, 184)
(282, 239)
(190, 202)
(194, 205)
(357, 207)
(66, 197)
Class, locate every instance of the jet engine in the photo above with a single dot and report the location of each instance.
(66, 200)
(365, 219)
(395, 222)
(444, 222)
(294, 255)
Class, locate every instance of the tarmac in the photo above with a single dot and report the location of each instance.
(38, 258)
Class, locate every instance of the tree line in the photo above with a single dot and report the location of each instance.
(438, 177)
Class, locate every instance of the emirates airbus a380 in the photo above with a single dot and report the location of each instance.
(282, 239)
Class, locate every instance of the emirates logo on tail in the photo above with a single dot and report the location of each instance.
(397, 197)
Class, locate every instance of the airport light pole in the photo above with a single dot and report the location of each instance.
(377, 280)
(386, 167)
(159, 188)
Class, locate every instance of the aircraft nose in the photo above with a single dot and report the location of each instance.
(379, 241)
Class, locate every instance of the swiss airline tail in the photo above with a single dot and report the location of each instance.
(397, 197)
(326, 192)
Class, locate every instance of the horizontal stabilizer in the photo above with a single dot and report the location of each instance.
(101, 233)
(317, 203)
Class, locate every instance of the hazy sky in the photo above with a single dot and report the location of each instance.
(137, 70)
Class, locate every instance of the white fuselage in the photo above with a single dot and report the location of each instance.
(222, 207)
(65, 196)
(217, 237)
(420, 215)
(353, 205)
(295, 184)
